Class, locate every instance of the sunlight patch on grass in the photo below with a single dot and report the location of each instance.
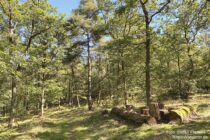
(78, 129)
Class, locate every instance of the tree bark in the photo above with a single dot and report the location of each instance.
(3, 111)
(42, 103)
(78, 102)
(109, 81)
(13, 103)
(147, 47)
(191, 65)
(99, 84)
(148, 20)
(90, 102)
(69, 101)
(124, 82)
(71, 86)
(180, 80)
(13, 87)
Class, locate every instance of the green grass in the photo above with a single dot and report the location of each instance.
(79, 124)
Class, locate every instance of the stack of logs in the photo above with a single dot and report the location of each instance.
(155, 113)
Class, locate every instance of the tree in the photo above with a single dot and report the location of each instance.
(85, 24)
(148, 19)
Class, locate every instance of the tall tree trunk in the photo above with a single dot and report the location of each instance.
(13, 87)
(69, 92)
(13, 102)
(4, 111)
(90, 102)
(148, 20)
(42, 102)
(78, 102)
(180, 80)
(73, 86)
(147, 47)
(124, 82)
(147, 64)
(109, 82)
(99, 83)
(191, 65)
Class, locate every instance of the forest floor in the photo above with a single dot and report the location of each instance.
(79, 124)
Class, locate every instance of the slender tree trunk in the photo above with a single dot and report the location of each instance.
(124, 82)
(148, 20)
(191, 65)
(99, 97)
(26, 102)
(179, 71)
(78, 102)
(147, 76)
(168, 74)
(42, 102)
(109, 82)
(99, 83)
(73, 86)
(13, 102)
(147, 47)
(13, 88)
(69, 92)
(4, 111)
(90, 102)
(38, 106)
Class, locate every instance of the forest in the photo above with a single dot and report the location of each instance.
(112, 69)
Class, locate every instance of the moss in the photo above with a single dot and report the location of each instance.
(183, 112)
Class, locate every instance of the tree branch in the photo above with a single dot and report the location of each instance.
(145, 2)
(33, 36)
(160, 10)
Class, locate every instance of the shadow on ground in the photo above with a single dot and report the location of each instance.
(80, 124)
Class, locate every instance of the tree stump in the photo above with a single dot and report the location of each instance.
(181, 114)
(129, 107)
(154, 111)
(151, 121)
(145, 112)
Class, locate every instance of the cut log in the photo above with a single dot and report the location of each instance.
(130, 115)
(146, 112)
(163, 113)
(154, 111)
(130, 107)
(181, 114)
(151, 121)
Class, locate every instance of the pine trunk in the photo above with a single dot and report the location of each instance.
(147, 76)
(42, 103)
(78, 102)
(124, 83)
(90, 102)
